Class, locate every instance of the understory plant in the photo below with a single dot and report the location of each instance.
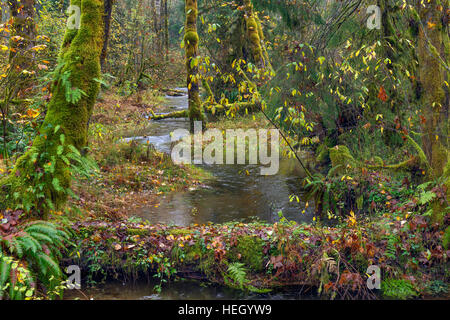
(29, 256)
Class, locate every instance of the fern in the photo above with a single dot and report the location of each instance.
(28, 253)
(426, 196)
(391, 250)
(5, 267)
(237, 273)
(47, 265)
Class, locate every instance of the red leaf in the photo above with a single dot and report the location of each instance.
(382, 94)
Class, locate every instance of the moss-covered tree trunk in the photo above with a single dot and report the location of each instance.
(255, 36)
(433, 55)
(41, 177)
(191, 51)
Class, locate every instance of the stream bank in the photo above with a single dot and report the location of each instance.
(188, 235)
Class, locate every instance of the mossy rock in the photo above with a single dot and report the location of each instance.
(340, 155)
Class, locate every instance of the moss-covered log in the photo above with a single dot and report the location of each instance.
(268, 255)
(171, 115)
(191, 51)
(41, 177)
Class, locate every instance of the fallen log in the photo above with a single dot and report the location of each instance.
(173, 92)
(174, 114)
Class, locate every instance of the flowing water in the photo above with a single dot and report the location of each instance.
(235, 193)
(231, 195)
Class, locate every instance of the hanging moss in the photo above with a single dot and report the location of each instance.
(322, 154)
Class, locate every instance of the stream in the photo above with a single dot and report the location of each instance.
(230, 195)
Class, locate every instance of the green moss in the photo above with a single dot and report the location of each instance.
(249, 250)
(191, 51)
(180, 231)
(253, 34)
(193, 253)
(140, 232)
(340, 155)
(378, 161)
(191, 36)
(322, 154)
(206, 263)
(446, 238)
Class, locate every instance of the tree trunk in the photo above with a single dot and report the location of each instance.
(22, 39)
(433, 53)
(23, 26)
(41, 177)
(191, 49)
(254, 33)
(107, 24)
(166, 29)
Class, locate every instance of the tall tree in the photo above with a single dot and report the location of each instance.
(106, 23)
(166, 29)
(191, 50)
(23, 33)
(433, 53)
(41, 177)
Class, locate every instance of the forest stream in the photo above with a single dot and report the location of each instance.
(230, 195)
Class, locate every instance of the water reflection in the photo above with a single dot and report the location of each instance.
(180, 290)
